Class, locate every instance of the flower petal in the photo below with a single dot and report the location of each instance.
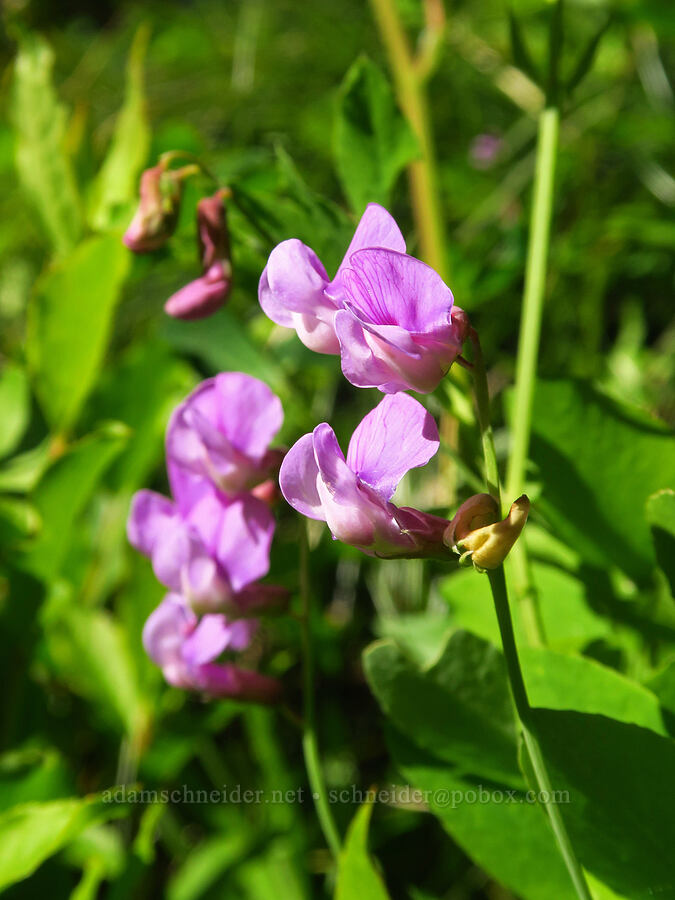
(238, 532)
(292, 281)
(231, 681)
(360, 366)
(377, 228)
(213, 635)
(149, 516)
(297, 479)
(249, 413)
(389, 288)
(165, 630)
(396, 436)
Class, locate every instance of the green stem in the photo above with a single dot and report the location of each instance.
(409, 80)
(483, 409)
(528, 347)
(524, 710)
(310, 745)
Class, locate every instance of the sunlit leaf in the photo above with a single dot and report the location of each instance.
(116, 185)
(14, 407)
(357, 875)
(373, 142)
(69, 321)
(40, 122)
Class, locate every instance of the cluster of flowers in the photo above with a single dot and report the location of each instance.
(210, 544)
(393, 322)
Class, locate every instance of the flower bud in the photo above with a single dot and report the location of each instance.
(206, 294)
(157, 214)
(479, 538)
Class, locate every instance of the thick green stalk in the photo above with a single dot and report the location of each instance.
(528, 349)
(409, 79)
(514, 671)
(310, 745)
(524, 710)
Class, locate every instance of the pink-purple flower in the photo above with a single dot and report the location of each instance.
(353, 495)
(222, 433)
(185, 648)
(399, 329)
(206, 546)
(296, 292)
(391, 318)
(206, 294)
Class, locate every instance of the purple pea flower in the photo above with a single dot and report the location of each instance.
(203, 296)
(353, 495)
(209, 547)
(398, 329)
(185, 649)
(222, 432)
(296, 292)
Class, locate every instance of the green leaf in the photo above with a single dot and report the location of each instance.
(586, 58)
(599, 461)
(512, 840)
(521, 55)
(661, 519)
(91, 652)
(224, 344)
(459, 709)
(621, 783)
(166, 380)
(14, 407)
(373, 141)
(64, 492)
(68, 325)
(561, 681)
(44, 168)
(18, 519)
(569, 622)
(357, 876)
(32, 832)
(115, 188)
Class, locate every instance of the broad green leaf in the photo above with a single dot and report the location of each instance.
(116, 188)
(561, 681)
(569, 622)
(663, 685)
(501, 832)
(32, 774)
(661, 519)
(32, 832)
(459, 709)
(373, 142)
(142, 390)
(14, 407)
(40, 122)
(598, 461)
(20, 474)
(69, 320)
(64, 492)
(357, 876)
(621, 783)
(91, 652)
(18, 519)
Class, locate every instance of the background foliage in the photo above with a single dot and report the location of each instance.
(291, 104)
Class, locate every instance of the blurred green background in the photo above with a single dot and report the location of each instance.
(252, 88)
